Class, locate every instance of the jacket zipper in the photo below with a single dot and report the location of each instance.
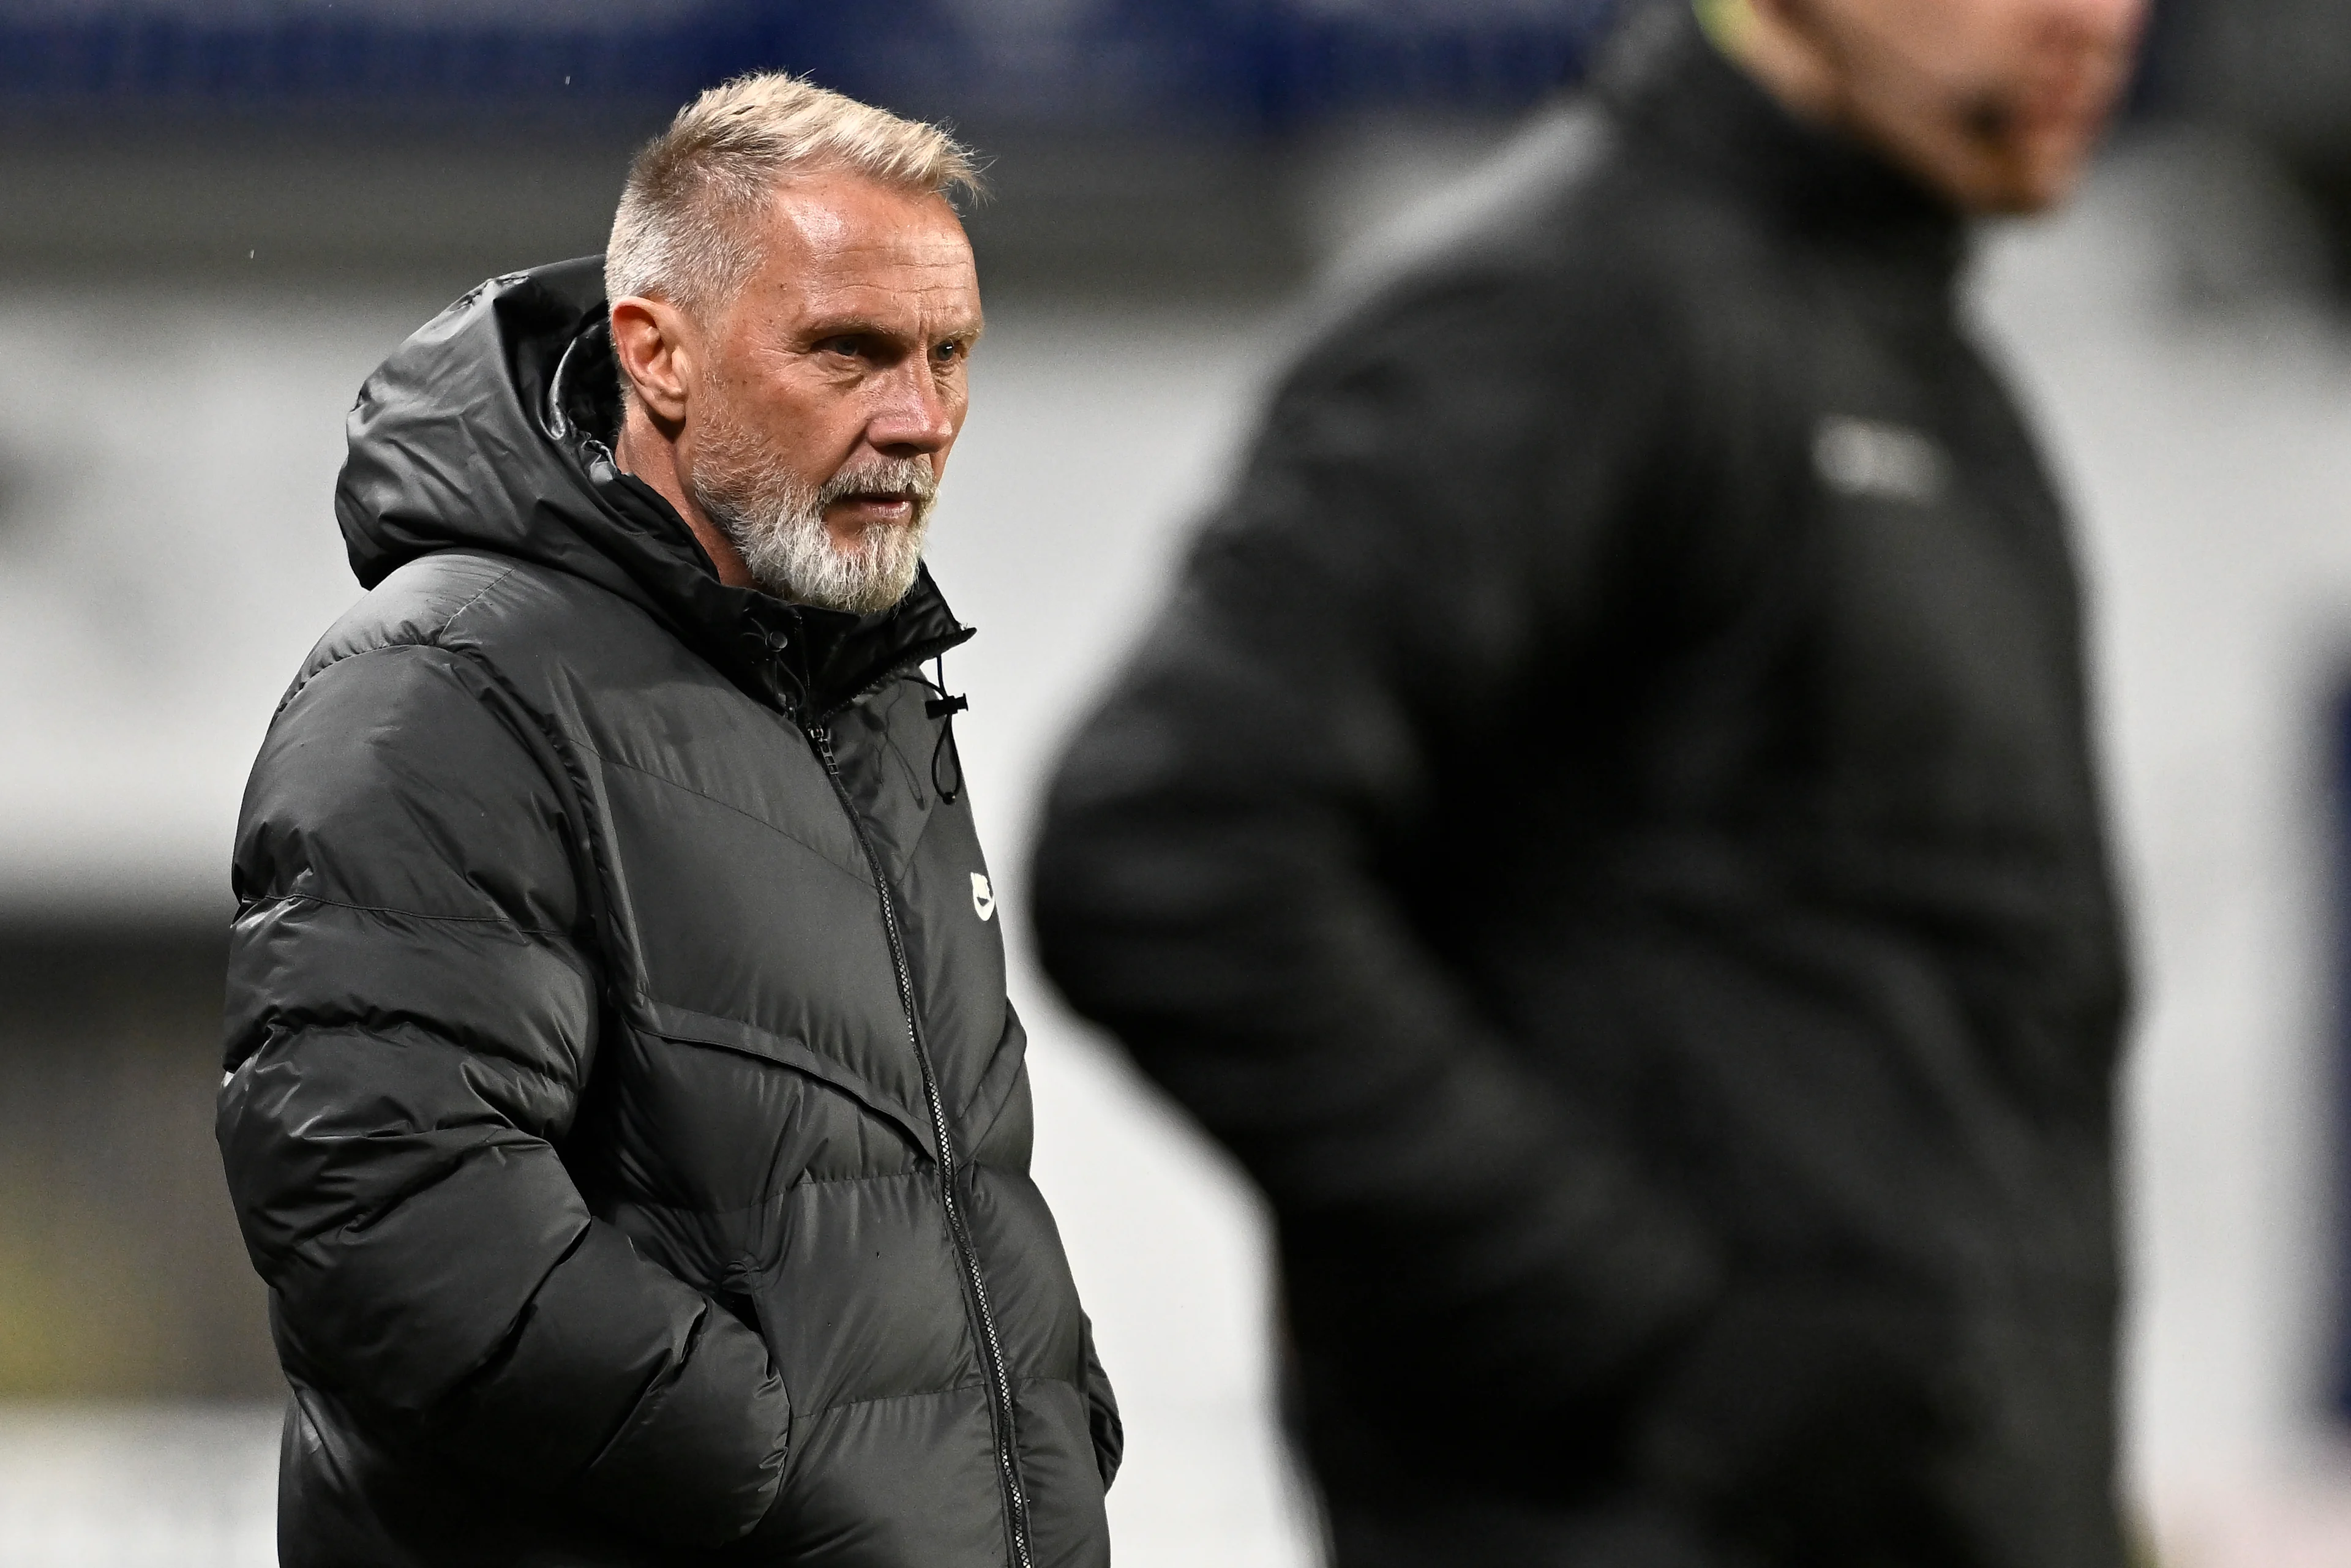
(991, 1350)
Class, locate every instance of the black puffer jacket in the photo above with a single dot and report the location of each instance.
(1605, 831)
(623, 1105)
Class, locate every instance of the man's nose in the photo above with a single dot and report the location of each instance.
(911, 416)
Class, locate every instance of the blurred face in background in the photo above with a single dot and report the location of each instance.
(1995, 103)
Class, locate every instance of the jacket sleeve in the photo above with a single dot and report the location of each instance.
(1432, 495)
(412, 1018)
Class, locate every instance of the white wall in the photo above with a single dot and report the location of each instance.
(2203, 407)
(167, 556)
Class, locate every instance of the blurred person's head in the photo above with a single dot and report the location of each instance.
(1994, 103)
(792, 300)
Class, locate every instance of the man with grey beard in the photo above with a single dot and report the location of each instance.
(622, 1104)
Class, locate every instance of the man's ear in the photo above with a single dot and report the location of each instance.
(653, 342)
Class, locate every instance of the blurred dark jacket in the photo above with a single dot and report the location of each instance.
(1605, 831)
(623, 1105)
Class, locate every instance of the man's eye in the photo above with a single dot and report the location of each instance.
(947, 353)
(850, 346)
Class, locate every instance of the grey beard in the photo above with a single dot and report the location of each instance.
(776, 519)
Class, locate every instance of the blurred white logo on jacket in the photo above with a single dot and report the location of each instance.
(1882, 462)
(983, 898)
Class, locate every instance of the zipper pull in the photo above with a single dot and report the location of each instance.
(820, 736)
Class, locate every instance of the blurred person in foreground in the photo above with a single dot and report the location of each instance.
(1606, 832)
(623, 1104)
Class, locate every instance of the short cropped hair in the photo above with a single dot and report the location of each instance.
(686, 228)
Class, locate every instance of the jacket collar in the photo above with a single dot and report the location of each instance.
(1669, 85)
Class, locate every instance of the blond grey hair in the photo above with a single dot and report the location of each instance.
(686, 228)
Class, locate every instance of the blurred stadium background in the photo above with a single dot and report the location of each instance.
(216, 215)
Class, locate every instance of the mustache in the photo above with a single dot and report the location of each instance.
(908, 476)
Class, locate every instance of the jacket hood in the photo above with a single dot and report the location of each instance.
(489, 429)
